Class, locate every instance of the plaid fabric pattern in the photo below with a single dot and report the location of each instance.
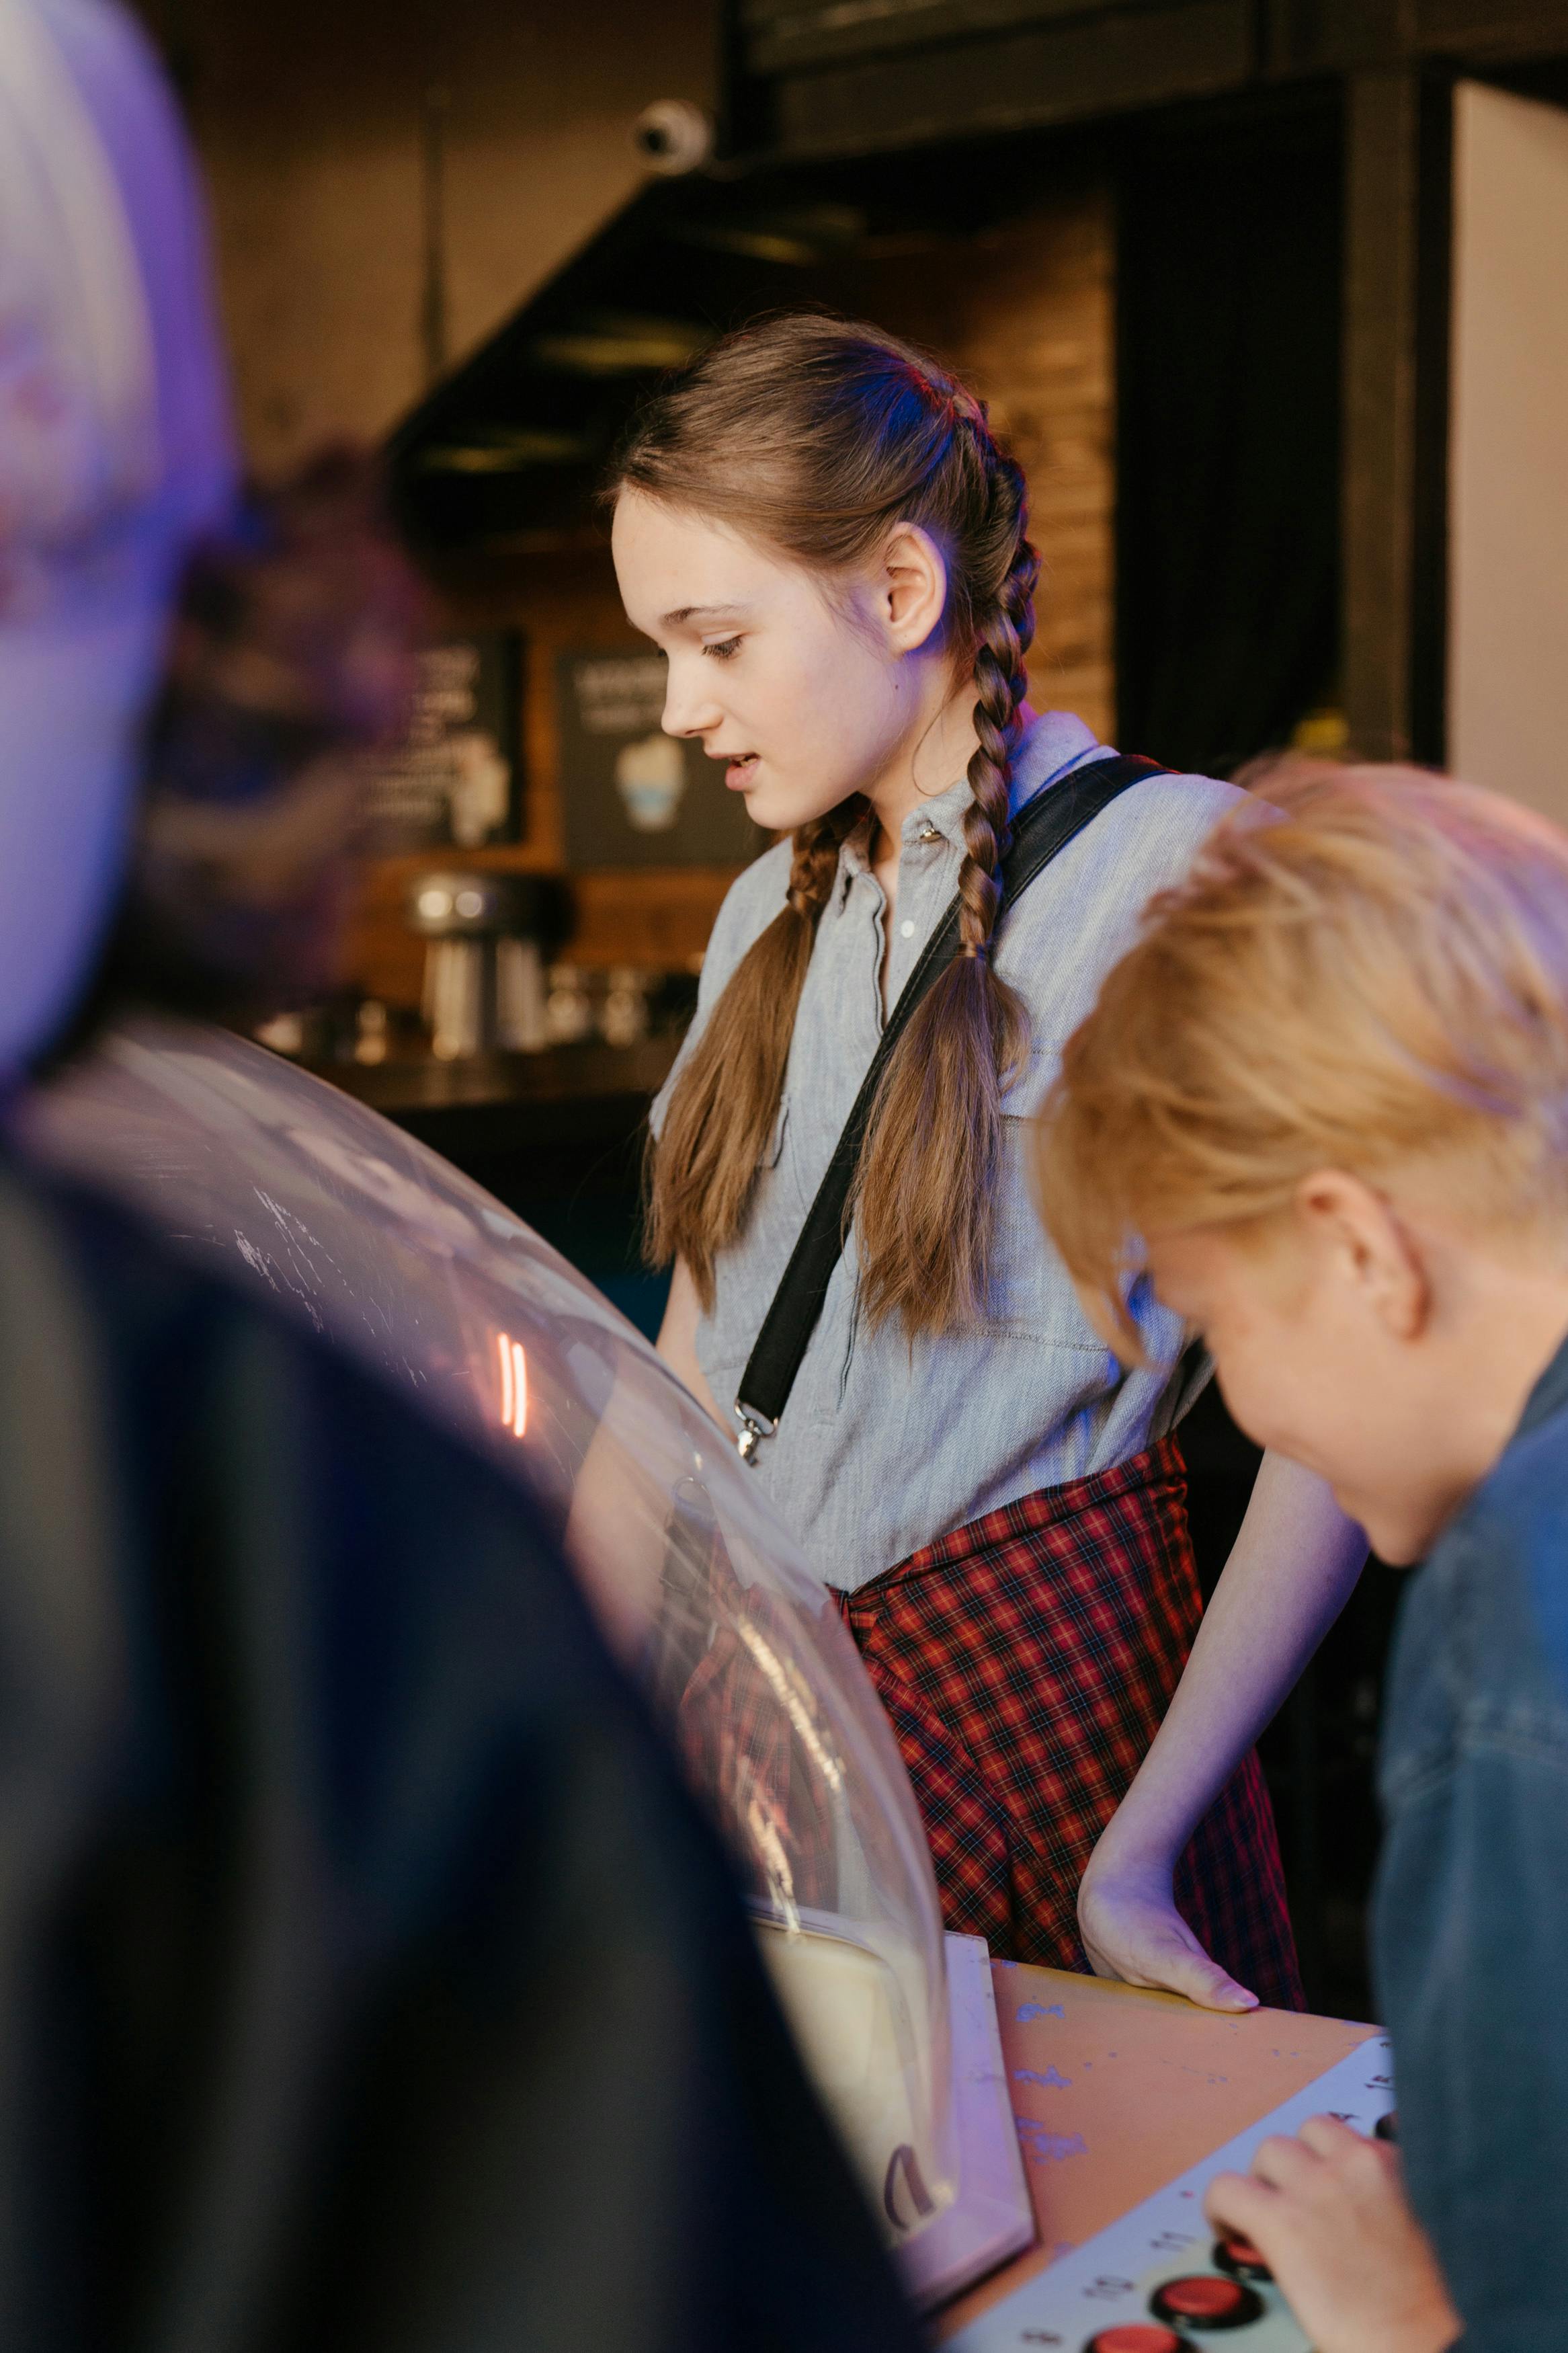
(1027, 1661)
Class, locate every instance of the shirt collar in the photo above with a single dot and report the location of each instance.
(1054, 742)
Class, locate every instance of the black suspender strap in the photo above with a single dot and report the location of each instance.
(1045, 826)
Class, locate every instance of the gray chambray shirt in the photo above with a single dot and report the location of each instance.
(882, 1447)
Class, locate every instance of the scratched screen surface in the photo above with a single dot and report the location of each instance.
(288, 1188)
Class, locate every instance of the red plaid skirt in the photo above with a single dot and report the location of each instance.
(1027, 1661)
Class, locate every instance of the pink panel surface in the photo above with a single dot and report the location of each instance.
(1116, 2091)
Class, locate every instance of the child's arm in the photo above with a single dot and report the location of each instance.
(1328, 2213)
(613, 1535)
(678, 1341)
(1291, 1570)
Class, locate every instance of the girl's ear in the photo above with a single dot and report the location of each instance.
(911, 591)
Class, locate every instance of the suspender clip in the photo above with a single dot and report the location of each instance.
(753, 1426)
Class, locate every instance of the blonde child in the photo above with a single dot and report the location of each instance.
(1324, 1103)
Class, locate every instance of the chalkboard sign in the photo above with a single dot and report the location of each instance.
(632, 795)
(458, 777)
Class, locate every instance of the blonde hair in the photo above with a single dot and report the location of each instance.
(1370, 973)
(817, 435)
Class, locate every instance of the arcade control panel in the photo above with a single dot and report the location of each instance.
(1158, 2280)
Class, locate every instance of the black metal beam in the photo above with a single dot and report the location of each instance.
(1062, 73)
(1476, 30)
(1382, 166)
(783, 36)
(820, 77)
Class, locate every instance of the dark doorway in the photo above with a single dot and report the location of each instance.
(1228, 434)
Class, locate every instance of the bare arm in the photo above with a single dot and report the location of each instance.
(678, 1340)
(1293, 1567)
(613, 1530)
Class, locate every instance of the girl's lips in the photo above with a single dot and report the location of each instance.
(739, 773)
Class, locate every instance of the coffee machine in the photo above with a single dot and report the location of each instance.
(487, 936)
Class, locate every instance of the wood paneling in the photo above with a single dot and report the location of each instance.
(783, 36)
(815, 79)
(1026, 315)
(1059, 73)
(308, 118)
(1481, 28)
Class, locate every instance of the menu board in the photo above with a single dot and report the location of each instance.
(631, 795)
(457, 776)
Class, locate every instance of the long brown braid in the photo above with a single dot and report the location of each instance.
(723, 1109)
(925, 1238)
(1004, 634)
(818, 437)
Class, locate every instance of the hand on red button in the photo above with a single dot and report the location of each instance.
(1240, 2258)
(1328, 2214)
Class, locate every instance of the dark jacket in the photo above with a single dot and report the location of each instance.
(1471, 1924)
(366, 1979)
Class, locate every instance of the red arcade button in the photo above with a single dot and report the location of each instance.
(1202, 2301)
(1137, 2337)
(1240, 2258)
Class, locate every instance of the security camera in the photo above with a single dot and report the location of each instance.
(672, 135)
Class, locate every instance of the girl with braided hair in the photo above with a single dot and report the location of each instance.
(817, 528)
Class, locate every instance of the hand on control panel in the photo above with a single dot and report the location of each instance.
(1328, 2212)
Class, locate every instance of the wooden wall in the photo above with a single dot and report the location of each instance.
(1026, 314)
(312, 119)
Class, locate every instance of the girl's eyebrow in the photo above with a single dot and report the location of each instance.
(687, 613)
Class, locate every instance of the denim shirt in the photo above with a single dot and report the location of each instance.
(1471, 1932)
(883, 1446)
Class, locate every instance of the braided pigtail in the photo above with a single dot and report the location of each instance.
(722, 1112)
(926, 1187)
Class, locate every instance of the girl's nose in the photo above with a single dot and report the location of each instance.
(688, 705)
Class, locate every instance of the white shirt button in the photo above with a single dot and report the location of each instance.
(906, 928)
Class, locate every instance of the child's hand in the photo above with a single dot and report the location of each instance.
(1133, 1930)
(1328, 2214)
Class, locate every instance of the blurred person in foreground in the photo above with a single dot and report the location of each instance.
(366, 1979)
(1324, 1102)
